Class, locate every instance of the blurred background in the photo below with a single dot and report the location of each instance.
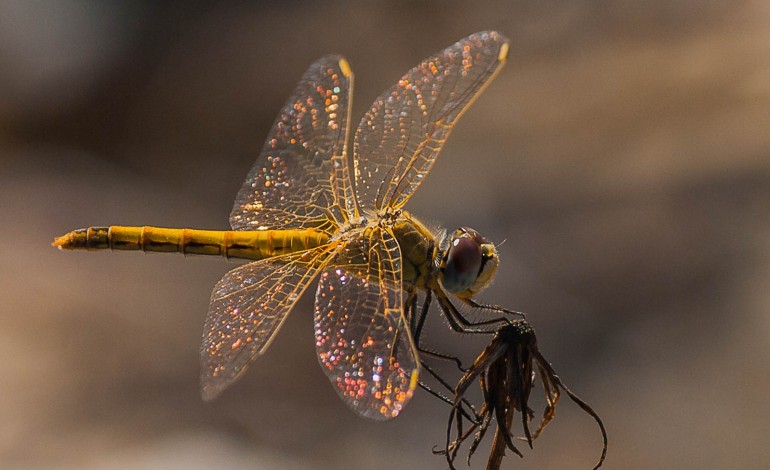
(623, 155)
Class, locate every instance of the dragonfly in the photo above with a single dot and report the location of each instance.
(309, 211)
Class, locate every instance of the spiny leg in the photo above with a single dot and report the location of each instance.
(416, 328)
(495, 308)
(462, 325)
(470, 415)
(416, 325)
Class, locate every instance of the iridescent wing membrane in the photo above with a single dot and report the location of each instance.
(248, 306)
(301, 180)
(404, 130)
(297, 182)
(362, 340)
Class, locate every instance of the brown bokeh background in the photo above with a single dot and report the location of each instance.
(623, 155)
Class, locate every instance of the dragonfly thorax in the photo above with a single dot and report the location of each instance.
(468, 263)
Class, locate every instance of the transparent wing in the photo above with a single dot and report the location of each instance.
(301, 177)
(248, 306)
(362, 338)
(400, 136)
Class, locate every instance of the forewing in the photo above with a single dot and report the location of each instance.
(362, 338)
(400, 136)
(248, 306)
(301, 177)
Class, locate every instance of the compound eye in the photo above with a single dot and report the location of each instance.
(462, 265)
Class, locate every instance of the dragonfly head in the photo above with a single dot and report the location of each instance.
(468, 264)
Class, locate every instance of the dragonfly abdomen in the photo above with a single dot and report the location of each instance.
(253, 245)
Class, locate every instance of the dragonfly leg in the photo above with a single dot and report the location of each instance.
(410, 307)
(469, 414)
(418, 321)
(494, 308)
(461, 324)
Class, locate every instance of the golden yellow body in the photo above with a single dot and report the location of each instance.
(418, 245)
(253, 245)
